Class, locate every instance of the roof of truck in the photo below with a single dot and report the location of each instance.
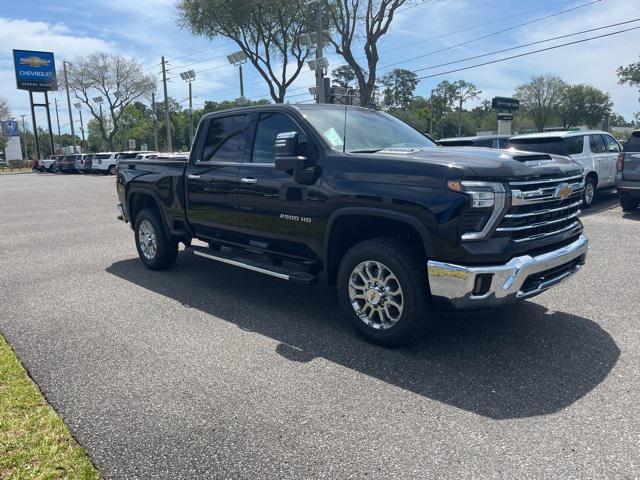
(284, 106)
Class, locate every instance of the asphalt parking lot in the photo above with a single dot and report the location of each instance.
(214, 372)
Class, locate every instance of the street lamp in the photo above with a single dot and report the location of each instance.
(237, 59)
(189, 76)
(79, 107)
(99, 101)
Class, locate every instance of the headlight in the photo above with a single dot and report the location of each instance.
(487, 201)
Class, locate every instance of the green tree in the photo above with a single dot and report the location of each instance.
(119, 80)
(540, 98)
(398, 87)
(617, 120)
(361, 22)
(629, 75)
(343, 76)
(266, 31)
(464, 91)
(583, 104)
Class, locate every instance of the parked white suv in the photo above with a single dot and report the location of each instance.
(104, 162)
(596, 151)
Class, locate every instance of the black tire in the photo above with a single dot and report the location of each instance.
(629, 204)
(112, 170)
(166, 250)
(409, 268)
(587, 199)
(54, 168)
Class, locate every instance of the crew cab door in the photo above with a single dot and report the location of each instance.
(604, 163)
(211, 177)
(275, 212)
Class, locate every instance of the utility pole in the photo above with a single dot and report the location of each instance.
(431, 115)
(166, 106)
(57, 120)
(66, 84)
(24, 137)
(241, 82)
(190, 117)
(320, 93)
(155, 121)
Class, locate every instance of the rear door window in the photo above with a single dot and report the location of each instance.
(633, 144)
(225, 139)
(554, 145)
(597, 144)
(611, 144)
(574, 145)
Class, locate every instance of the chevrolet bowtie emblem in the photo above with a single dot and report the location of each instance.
(34, 61)
(564, 190)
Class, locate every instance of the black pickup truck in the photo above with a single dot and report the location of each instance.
(356, 198)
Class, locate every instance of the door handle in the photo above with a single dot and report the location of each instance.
(249, 180)
(193, 177)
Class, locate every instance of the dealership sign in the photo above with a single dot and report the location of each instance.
(505, 103)
(9, 128)
(35, 71)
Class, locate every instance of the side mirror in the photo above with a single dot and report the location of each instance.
(287, 158)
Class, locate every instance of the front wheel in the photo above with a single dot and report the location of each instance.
(156, 251)
(589, 192)
(54, 168)
(382, 286)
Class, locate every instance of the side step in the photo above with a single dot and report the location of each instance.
(236, 260)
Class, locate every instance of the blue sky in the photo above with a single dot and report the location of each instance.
(148, 29)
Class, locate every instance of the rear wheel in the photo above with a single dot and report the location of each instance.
(629, 204)
(112, 170)
(382, 286)
(156, 251)
(589, 191)
(54, 168)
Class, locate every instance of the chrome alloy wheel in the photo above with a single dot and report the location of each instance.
(147, 239)
(589, 193)
(376, 295)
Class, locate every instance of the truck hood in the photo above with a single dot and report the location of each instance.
(490, 163)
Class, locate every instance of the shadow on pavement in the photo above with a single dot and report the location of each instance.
(521, 362)
(604, 200)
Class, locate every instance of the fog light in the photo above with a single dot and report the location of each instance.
(482, 284)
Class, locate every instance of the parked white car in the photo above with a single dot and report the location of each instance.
(595, 150)
(104, 162)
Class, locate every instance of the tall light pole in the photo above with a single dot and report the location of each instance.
(189, 76)
(58, 121)
(237, 59)
(98, 100)
(309, 40)
(24, 137)
(79, 107)
(66, 84)
(167, 117)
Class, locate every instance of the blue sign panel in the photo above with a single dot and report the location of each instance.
(10, 128)
(35, 70)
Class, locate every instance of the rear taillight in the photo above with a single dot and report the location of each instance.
(620, 163)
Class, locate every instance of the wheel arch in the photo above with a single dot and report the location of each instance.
(138, 200)
(349, 226)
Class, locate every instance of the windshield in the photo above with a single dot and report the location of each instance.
(354, 130)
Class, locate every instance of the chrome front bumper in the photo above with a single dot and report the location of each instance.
(471, 288)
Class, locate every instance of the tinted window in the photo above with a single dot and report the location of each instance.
(502, 142)
(633, 144)
(225, 139)
(126, 156)
(456, 143)
(487, 142)
(101, 156)
(554, 146)
(269, 126)
(612, 145)
(597, 144)
(574, 145)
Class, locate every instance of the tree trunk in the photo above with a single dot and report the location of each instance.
(460, 117)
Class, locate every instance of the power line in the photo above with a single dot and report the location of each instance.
(492, 34)
(431, 67)
(484, 24)
(529, 53)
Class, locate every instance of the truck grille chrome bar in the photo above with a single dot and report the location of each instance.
(542, 208)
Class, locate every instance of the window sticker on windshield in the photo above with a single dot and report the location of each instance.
(334, 137)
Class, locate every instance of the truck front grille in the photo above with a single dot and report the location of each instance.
(542, 208)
